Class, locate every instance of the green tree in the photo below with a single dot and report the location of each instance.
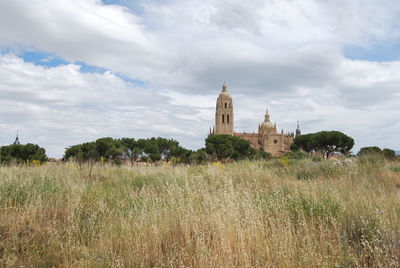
(369, 150)
(198, 157)
(305, 142)
(389, 154)
(151, 150)
(224, 147)
(20, 153)
(131, 150)
(326, 142)
(85, 152)
(108, 148)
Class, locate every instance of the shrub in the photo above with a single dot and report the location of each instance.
(298, 155)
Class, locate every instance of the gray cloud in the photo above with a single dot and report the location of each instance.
(58, 108)
(286, 55)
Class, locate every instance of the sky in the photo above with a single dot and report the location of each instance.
(73, 71)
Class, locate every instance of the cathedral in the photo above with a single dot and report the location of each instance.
(266, 139)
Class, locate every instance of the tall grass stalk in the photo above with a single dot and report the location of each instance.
(247, 214)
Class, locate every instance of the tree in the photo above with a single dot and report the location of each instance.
(389, 154)
(329, 142)
(369, 150)
(85, 152)
(20, 153)
(108, 148)
(305, 142)
(223, 147)
(130, 150)
(326, 142)
(198, 156)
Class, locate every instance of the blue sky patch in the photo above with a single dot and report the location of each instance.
(85, 68)
(135, 81)
(133, 5)
(388, 51)
(51, 60)
(42, 58)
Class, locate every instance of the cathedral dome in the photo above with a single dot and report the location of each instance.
(266, 125)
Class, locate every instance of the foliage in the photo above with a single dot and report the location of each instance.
(326, 142)
(117, 150)
(19, 153)
(225, 147)
(369, 150)
(297, 155)
(389, 154)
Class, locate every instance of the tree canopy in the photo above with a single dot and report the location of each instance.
(326, 142)
(374, 150)
(223, 147)
(22, 153)
(116, 150)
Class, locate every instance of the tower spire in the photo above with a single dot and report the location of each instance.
(17, 139)
(267, 119)
(298, 131)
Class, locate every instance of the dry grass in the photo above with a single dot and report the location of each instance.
(260, 214)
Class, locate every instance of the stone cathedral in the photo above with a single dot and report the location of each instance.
(266, 139)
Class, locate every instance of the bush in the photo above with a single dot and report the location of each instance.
(298, 155)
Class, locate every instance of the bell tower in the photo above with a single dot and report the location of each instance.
(224, 113)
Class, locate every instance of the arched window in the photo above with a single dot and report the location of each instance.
(226, 105)
(223, 118)
(227, 118)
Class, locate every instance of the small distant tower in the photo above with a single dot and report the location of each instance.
(298, 131)
(224, 113)
(17, 139)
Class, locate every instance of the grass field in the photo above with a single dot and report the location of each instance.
(279, 213)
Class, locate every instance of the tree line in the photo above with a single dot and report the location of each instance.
(129, 149)
(217, 148)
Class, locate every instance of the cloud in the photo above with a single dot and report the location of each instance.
(287, 55)
(60, 106)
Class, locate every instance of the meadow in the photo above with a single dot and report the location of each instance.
(277, 213)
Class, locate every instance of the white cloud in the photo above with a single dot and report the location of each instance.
(283, 54)
(60, 106)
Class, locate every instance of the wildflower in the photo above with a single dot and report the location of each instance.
(218, 165)
(382, 211)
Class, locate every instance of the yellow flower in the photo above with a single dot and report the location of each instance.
(36, 163)
(218, 165)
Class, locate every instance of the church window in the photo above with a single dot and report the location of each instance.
(227, 118)
(223, 118)
(275, 141)
(226, 105)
